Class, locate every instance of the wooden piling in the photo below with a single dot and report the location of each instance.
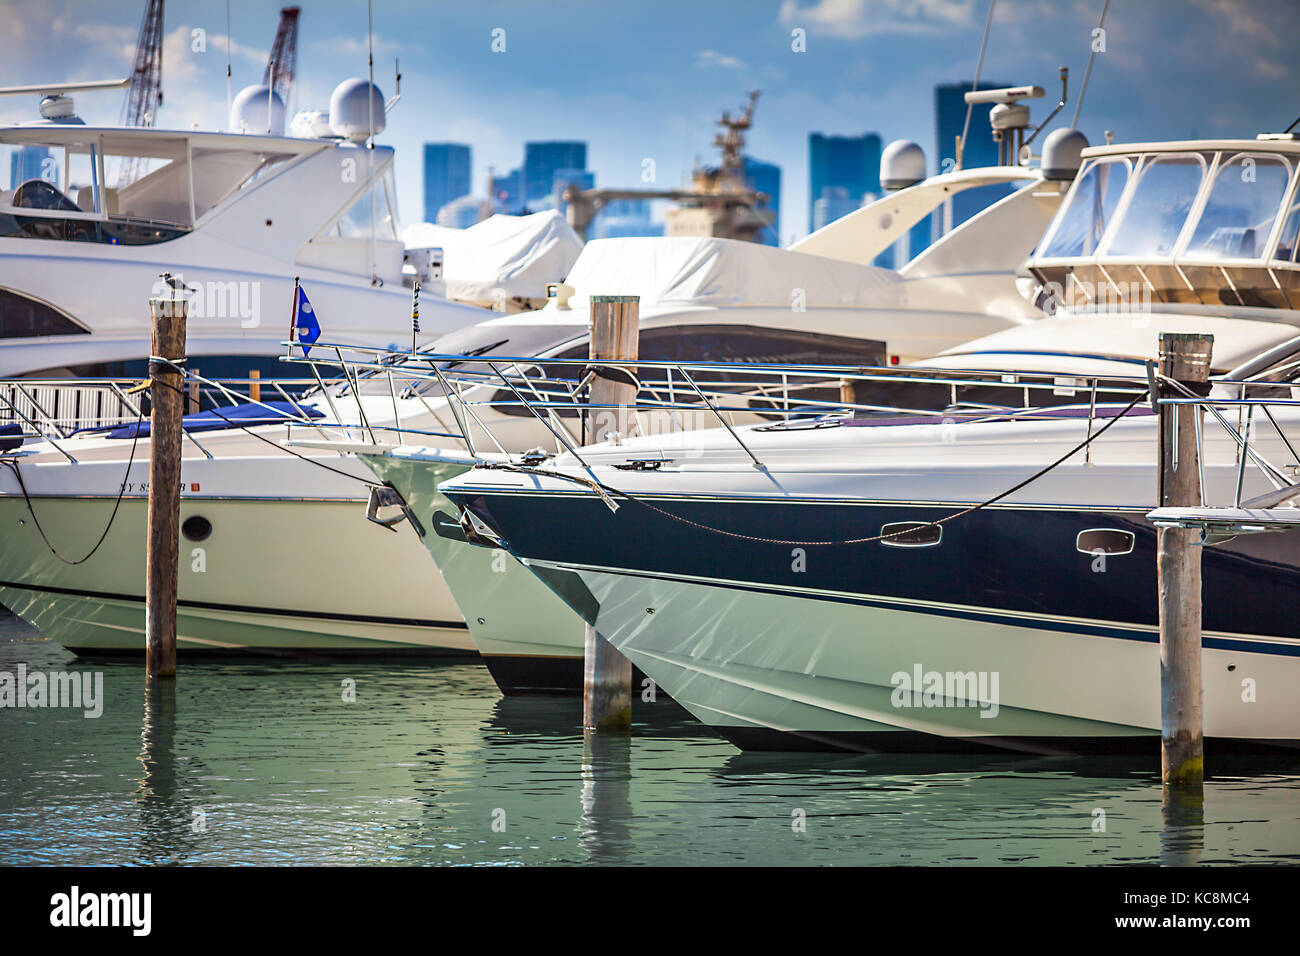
(254, 385)
(615, 336)
(167, 398)
(195, 402)
(1184, 358)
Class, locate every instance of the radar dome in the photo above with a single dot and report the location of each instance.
(1061, 153)
(259, 110)
(902, 164)
(356, 110)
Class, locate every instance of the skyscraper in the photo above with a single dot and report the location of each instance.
(446, 176)
(542, 161)
(980, 149)
(848, 163)
(28, 162)
(766, 178)
(507, 192)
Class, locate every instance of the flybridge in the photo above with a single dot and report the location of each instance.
(1207, 222)
(127, 186)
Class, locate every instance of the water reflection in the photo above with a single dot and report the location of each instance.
(1182, 836)
(604, 829)
(412, 771)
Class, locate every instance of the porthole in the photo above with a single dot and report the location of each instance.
(911, 534)
(1104, 541)
(196, 528)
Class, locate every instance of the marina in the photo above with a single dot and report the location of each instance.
(622, 522)
(414, 770)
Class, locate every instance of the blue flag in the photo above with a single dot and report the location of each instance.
(308, 327)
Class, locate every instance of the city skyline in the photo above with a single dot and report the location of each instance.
(860, 66)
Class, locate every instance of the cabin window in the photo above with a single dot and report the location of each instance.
(1081, 224)
(373, 214)
(912, 534)
(21, 317)
(220, 172)
(1239, 213)
(1104, 541)
(1287, 242)
(1161, 199)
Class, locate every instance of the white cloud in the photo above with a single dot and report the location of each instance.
(712, 58)
(853, 19)
(355, 47)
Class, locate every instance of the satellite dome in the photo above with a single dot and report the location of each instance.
(902, 164)
(355, 105)
(249, 111)
(1061, 153)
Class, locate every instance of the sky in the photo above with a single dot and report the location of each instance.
(640, 80)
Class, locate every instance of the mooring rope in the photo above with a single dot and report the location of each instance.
(594, 484)
(121, 492)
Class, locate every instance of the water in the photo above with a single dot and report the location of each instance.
(264, 763)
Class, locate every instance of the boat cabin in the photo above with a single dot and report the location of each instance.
(1207, 223)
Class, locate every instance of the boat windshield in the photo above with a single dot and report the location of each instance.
(1243, 204)
(1218, 225)
(1084, 221)
(1163, 196)
(119, 188)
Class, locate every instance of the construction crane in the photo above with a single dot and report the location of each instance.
(145, 95)
(718, 202)
(284, 51)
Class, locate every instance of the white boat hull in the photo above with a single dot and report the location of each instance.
(730, 657)
(276, 576)
(531, 641)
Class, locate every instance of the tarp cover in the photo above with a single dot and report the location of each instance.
(517, 255)
(682, 270)
(244, 415)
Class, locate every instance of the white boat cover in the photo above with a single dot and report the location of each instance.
(686, 270)
(517, 255)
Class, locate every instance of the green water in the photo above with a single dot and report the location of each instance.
(266, 763)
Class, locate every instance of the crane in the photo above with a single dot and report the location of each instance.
(280, 64)
(145, 95)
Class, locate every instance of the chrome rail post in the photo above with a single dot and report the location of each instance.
(691, 381)
(37, 429)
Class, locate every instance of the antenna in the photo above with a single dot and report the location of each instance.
(397, 83)
(229, 99)
(370, 140)
(1088, 72)
(1025, 154)
(979, 66)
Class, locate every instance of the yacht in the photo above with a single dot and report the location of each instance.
(879, 582)
(91, 216)
(281, 558)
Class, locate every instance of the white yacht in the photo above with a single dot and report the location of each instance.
(91, 216)
(841, 594)
(280, 555)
